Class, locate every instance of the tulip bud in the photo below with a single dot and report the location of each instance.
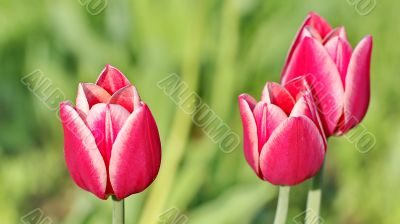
(339, 77)
(111, 140)
(283, 138)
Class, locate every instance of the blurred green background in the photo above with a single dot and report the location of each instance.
(220, 49)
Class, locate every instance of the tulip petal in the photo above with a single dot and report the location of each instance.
(88, 95)
(127, 97)
(318, 23)
(357, 90)
(267, 117)
(294, 152)
(312, 23)
(105, 122)
(305, 103)
(305, 106)
(250, 139)
(297, 87)
(312, 61)
(340, 52)
(136, 154)
(111, 79)
(337, 32)
(308, 31)
(84, 161)
(276, 94)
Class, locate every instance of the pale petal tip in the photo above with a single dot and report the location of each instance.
(65, 103)
(339, 31)
(313, 13)
(246, 99)
(109, 69)
(127, 97)
(111, 79)
(242, 96)
(368, 39)
(366, 42)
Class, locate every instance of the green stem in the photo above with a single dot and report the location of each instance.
(314, 199)
(283, 205)
(118, 211)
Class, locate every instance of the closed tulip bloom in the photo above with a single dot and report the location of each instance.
(339, 76)
(283, 140)
(111, 141)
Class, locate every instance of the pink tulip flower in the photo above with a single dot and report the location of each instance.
(111, 141)
(283, 138)
(338, 75)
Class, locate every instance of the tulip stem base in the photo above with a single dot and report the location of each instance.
(314, 199)
(283, 205)
(118, 211)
